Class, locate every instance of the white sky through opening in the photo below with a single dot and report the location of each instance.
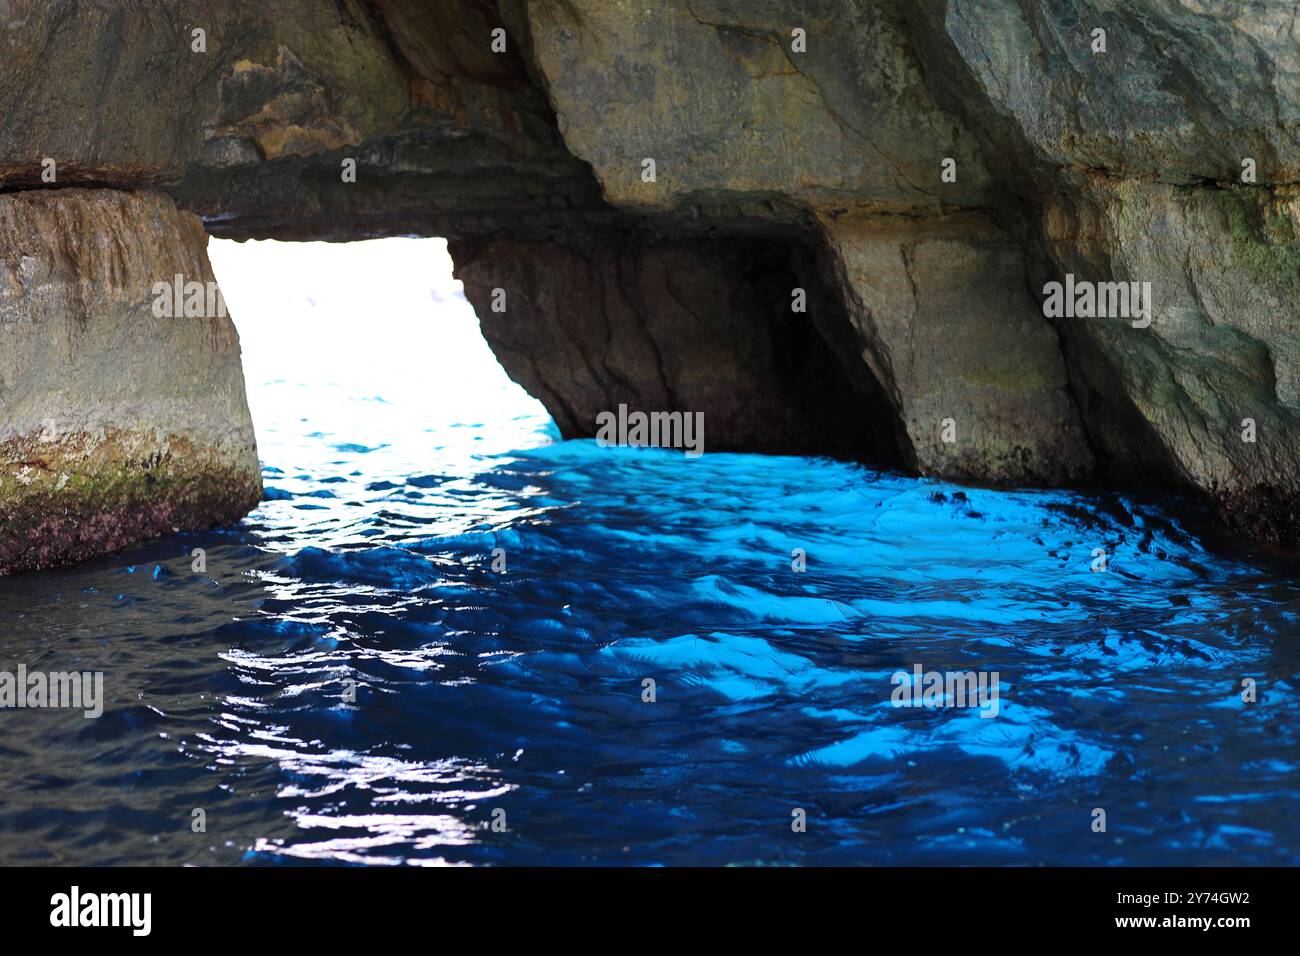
(374, 339)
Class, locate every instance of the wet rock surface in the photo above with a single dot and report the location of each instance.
(115, 424)
(925, 168)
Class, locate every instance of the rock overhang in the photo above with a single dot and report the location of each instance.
(925, 168)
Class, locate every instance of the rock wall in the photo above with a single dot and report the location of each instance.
(735, 118)
(1107, 141)
(691, 324)
(945, 320)
(1222, 359)
(1169, 158)
(115, 424)
(648, 184)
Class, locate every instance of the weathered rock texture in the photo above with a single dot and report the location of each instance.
(947, 324)
(114, 425)
(712, 90)
(252, 132)
(1222, 357)
(795, 145)
(692, 324)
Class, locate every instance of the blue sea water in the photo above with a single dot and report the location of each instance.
(398, 457)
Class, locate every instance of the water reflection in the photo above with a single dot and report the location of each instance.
(352, 682)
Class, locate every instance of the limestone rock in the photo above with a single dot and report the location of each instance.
(115, 425)
(251, 130)
(691, 326)
(715, 92)
(946, 321)
(1221, 358)
(1183, 92)
(793, 145)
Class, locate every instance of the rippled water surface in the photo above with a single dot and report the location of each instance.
(397, 457)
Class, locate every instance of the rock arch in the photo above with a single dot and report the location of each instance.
(921, 169)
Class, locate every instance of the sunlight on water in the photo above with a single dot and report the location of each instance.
(398, 456)
(375, 346)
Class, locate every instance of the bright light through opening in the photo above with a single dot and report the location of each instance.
(368, 347)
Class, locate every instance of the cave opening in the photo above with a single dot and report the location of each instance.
(364, 358)
(373, 347)
(747, 330)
